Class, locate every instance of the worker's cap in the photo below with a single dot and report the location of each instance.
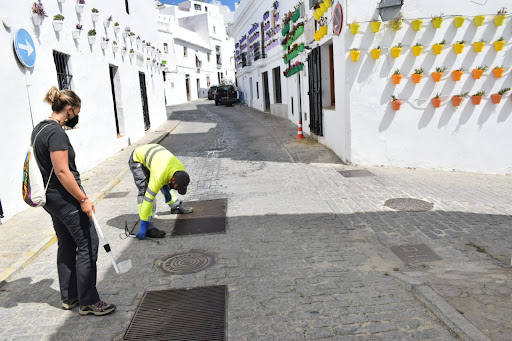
(182, 180)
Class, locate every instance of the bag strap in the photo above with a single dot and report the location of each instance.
(51, 173)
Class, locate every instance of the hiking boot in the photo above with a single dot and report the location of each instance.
(181, 208)
(155, 233)
(69, 304)
(98, 309)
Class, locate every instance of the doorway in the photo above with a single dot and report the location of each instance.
(198, 88)
(144, 99)
(331, 73)
(115, 84)
(266, 93)
(315, 92)
(251, 91)
(187, 86)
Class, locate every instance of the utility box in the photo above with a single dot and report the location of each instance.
(388, 9)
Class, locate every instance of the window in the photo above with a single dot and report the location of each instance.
(127, 6)
(64, 77)
(205, 9)
(257, 90)
(185, 53)
(208, 55)
(166, 48)
(208, 81)
(277, 85)
(197, 7)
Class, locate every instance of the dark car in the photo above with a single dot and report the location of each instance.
(211, 92)
(226, 94)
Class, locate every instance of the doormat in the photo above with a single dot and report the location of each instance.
(356, 173)
(209, 216)
(415, 253)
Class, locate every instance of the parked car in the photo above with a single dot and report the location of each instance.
(226, 94)
(211, 91)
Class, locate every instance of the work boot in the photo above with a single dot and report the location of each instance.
(69, 304)
(155, 233)
(180, 207)
(98, 309)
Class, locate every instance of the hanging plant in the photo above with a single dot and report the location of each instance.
(107, 22)
(498, 71)
(376, 53)
(457, 74)
(496, 98)
(458, 47)
(457, 99)
(397, 77)
(91, 35)
(354, 54)
(354, 27)
(479, 45)
(396, 50)
(115, 48)
(479, 20)
(375, 26)
(79, 6)
(397, 104)
(478, 72)
(397, 21)
(499, 19)
(437, 21)
(38, 13)
(417, 24)
(499, 44)
(438, 48)
(58, 22)
(477, 98)
(76, 31)
(458, 21)
(418, 74)
(437, 101)
(438, 74)
(417, 49)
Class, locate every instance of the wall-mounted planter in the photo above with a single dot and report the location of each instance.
(115, 48)
(79, 8)
(416, 50)
(416, 77)
(376, 53)
(396, 105)
(499, 44)
(37, 19)
(498, 73)
(323, 29)
(459, 21)
(479, 20)
(354, 28)
(317, 15)
(457, 100)
(132, 55)
(437, 76)
(76, 34)
(436, 102)
(395, 51)
(57, 25)
(117, 29)
(355, 55)
(437, 22)
(417, 24)
(92, 40)
(479, 46)
(323, 7)
(458, 48)
(476, 99)
(132, 39)
(437, 48)
(496, 99)
(106, 23)
(104, 45)
(499, 20)
(457, 75)
(327, 3)
(375, 26)
(61, 1)
(396, 79)
(477, 73)
(95, 17)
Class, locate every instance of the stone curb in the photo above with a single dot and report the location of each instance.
(50, 239)
(453, 319)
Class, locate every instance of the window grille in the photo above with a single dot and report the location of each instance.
(64, 77)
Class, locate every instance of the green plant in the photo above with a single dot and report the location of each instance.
(501, 39)
(482, 40)
(378, 47)
(399, 45)
(58, 17)
(499, 67)
(418, 44)
(94, 10)
(480, 93)
(463, 95)
(418, 71)
(393, 98)
(438, 95)
(482, 67)
(462, 42)
(396, 269)
(116, 24)
(131, 34)
(354, 49)
(460, 69)
(397, 72)
(503, 91)
(148, 58)
(131, 51)
(91, 33)
(396, 23)
(442, 42)
(114, 42)
(440, 16)
(503, 11)
(441, 69)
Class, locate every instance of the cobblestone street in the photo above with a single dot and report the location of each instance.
(307, 252)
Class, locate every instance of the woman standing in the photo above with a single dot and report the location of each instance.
(68, 206)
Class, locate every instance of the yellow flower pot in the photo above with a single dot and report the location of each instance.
(376, 53)
(417, 24)
(323, 29)
(317, 36)
(395, 51)
(479, 20)
(375, 26)
(327, 3)
(319, 12)
(479, 46)
(437, 22)
(354, 28)
(355, 55)
(323, 7)
(459, 48)
(498, 45)
(416, 50)
(499, 20)
(437, 48)
(459, 21)
(316, 15)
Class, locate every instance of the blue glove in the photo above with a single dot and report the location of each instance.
(142, 229)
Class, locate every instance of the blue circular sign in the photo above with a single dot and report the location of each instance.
(25, 48)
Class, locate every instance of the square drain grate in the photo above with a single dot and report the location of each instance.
(116, 195)
(209, 216)
(356, 173)
(415, 253)
(181, 314)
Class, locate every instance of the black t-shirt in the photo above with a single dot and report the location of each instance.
(52, 138)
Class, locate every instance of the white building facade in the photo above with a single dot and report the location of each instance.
(122, 93)
(346, 105)
(197, 50)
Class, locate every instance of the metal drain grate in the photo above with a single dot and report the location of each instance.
(187, 263)
(181, 314)
(356, 173)
(409, 205)
(116, 195)
(209, 216)
(415, 253)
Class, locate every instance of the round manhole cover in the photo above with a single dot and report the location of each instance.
(187, 263)
(409, 205)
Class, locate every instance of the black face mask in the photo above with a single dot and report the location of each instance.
(72, 122)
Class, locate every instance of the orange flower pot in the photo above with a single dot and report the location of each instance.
(498, 73)
(437, 76)
(397, 79)
(416, 77)
(397, 105)
(477, 73)
(496, 98)
(436, 102)
(457, 101)
(457, 75)
(476, 99)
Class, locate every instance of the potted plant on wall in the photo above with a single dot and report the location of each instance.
(91, 35)
(95, 15)
(479, 45)
(438, 74)
(477, 98)
(438, 48)
(397, 104)
(61, 1)
(132, 54)
(437, 101)
(499, 44)
(124, 51)
(38, 13)
(396, 23)
(457, 99)
(458, 47)
(417, 24)
(354, 27)
(58, 22)
(478, 72)
(79, 6)
(126, 32)
(417, 49)
(396, 50)
(132, 37)
(116, 28)
(479, 20)
(437, 21)
(115, 48)
(458, 21)
(397, 77)
(376, 52)
(107, 22)
(375, 26)
(498, 71)
(354, 54)
(496, 98)
(76, 31)
(457, 74)
(418, 74)
(499, 19)
(104, 42)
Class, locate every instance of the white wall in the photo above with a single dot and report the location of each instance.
(96, 138)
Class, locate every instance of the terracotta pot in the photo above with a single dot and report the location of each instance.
(397, 104)
(458, 48)
(437, 48)
(376, 53)
(395, 51)
(457, 100)
(416, 50)
(457, 75)
(416, 24)
(479, 20)
(496, 98)
(437, 76)
(375, 26)
(477, 73)
(498, 45)
(459, 21)
(479, 46)
(436, 102)
(397, 79)
(476, 99)
(416, 77)
(498, 73)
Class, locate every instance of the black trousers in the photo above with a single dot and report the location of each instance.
(77, 247)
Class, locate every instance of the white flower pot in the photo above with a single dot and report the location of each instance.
(132, 38)
(115, 48)
(92, 40)
(95, 17)
(125, 34)
(106, 23)
(132, 55)
(57, 25)
(117, 29)
(123, 53)
(138, 43)
(104, 44)
(38, 20)
(79, 8)
(76, 34)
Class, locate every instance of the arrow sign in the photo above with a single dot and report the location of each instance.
(25, 48)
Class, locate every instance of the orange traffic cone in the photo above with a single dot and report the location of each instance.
(299, 134)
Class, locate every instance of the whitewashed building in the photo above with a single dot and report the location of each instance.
(346, 105)
(196, 48)
(122, 94)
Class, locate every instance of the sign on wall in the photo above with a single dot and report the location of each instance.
(337, 19)
(25, 48)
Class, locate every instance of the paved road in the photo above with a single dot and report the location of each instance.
(306, 254)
